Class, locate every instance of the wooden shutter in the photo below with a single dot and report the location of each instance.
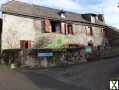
(66, 28)
(63, 27)
(25, 44)
(22, 44)
(48, 27)
(29, 44)
(91, 31)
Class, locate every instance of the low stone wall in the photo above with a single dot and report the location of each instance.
(109, 52)
(30, 57)
(61, 57)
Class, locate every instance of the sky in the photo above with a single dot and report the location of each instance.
(107, 7)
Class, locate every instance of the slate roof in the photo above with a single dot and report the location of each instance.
(113, 28)
(21, 8)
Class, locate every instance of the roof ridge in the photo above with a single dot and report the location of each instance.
(39, 6)
(34, 10)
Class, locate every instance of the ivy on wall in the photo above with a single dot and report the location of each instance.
(58, 43)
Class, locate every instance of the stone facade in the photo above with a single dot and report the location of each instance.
(16, 28)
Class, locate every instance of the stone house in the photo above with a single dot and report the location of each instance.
(24, 24)
(112, 34)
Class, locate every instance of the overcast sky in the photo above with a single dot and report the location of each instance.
(107, 7)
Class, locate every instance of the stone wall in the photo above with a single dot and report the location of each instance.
(16, 28)
(29, 57)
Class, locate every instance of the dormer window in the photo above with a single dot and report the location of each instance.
(101, 18)
(93, 19)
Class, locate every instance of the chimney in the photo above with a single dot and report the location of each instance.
(101, 17)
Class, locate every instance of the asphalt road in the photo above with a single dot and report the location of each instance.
(86, 76)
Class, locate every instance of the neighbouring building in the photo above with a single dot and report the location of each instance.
(112, 34)
(26, 25)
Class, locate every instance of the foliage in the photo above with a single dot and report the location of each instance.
(42, 42)
(58, 43)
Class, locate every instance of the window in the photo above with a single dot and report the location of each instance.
(52, 26)
(48, 27)
(93, 19)
(101, 18)
(66, 28)
(25, 44)
(78, 29)
(56, 26)
(89, 30)
(70, 29)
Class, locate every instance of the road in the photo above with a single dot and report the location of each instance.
(85, 76)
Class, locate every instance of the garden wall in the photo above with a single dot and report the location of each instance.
(42, 57)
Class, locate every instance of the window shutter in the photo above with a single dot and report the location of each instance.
(25, 44)
(22, 44)
(63, 27)
(48, 27)
(91, 31)
(29, 44)
(66, 28)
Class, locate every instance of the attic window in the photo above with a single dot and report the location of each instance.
(101, 18)
(93, 19)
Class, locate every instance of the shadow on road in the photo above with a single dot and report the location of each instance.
(44, 82)
(91, 76)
